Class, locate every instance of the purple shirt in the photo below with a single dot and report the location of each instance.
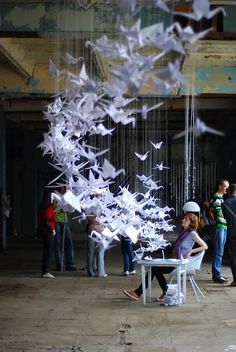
(187, 243)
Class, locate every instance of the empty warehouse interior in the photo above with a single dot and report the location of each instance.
(75, 312)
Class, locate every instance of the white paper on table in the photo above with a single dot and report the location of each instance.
(148, 257)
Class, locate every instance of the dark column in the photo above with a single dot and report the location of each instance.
(3, 175)
(29, 196)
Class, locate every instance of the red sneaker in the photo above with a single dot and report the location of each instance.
(132, 295)
(161, 298)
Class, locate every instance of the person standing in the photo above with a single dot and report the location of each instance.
(64, 238)
(229, 211)
(220, 231)
(95, 251)
(128, 256)
(47, 227)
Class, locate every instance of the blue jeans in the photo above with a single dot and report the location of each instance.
(128, 254)
(57, 250)
(95, 259)
(219, 245)
(100, 261)
(69, 246)
(91, 257)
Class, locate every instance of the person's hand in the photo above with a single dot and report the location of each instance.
(54, 232)
(187, 255)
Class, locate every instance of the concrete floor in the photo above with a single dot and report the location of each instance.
(77, 313)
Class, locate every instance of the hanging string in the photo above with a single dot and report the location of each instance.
(126, 140)
(186, 149)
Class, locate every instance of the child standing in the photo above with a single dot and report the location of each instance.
(95, 252)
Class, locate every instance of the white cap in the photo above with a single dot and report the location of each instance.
(191, 207)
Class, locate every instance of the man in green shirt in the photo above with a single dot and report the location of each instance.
(220, 231)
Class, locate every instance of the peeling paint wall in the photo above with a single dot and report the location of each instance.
(69, 17)
(24, 18)
(215, 69)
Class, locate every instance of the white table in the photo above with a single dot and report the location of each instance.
(179, 264)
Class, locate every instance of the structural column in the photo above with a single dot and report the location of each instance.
(29, 185)
(3, 176)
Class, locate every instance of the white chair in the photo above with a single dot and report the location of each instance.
(193, 267)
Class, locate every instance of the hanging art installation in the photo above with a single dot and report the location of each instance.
(90, 107)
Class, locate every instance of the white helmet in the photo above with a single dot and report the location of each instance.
(191, 207)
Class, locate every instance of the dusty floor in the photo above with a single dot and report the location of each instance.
(75, 313)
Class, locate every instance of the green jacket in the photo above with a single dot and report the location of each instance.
(217, 205)
(61, 215)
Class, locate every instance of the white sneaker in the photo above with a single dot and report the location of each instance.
(126, 273)
(133, 272)
(47, 276)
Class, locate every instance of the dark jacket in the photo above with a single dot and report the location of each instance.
(230, 203)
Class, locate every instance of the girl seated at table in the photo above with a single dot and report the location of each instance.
(183, 248)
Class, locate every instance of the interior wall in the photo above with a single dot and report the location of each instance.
(229, 21)
(24, 167)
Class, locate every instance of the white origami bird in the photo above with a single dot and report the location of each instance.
(70, 60)
(143, 177)
(157, 145)
(160, 167)
(145, 109)
(201, 8)
(109, 171)
(198, 129)
(142, 157)
(101, 129)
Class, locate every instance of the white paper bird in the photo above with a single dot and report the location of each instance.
(160, 167)
(143, 177)
(157, 145)
(70, 60)
(102, 130)
(187, 34)
(108, 170)
(142, 157)
(201, 8)
(198, 129)
(145, 109)
(152, 185)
